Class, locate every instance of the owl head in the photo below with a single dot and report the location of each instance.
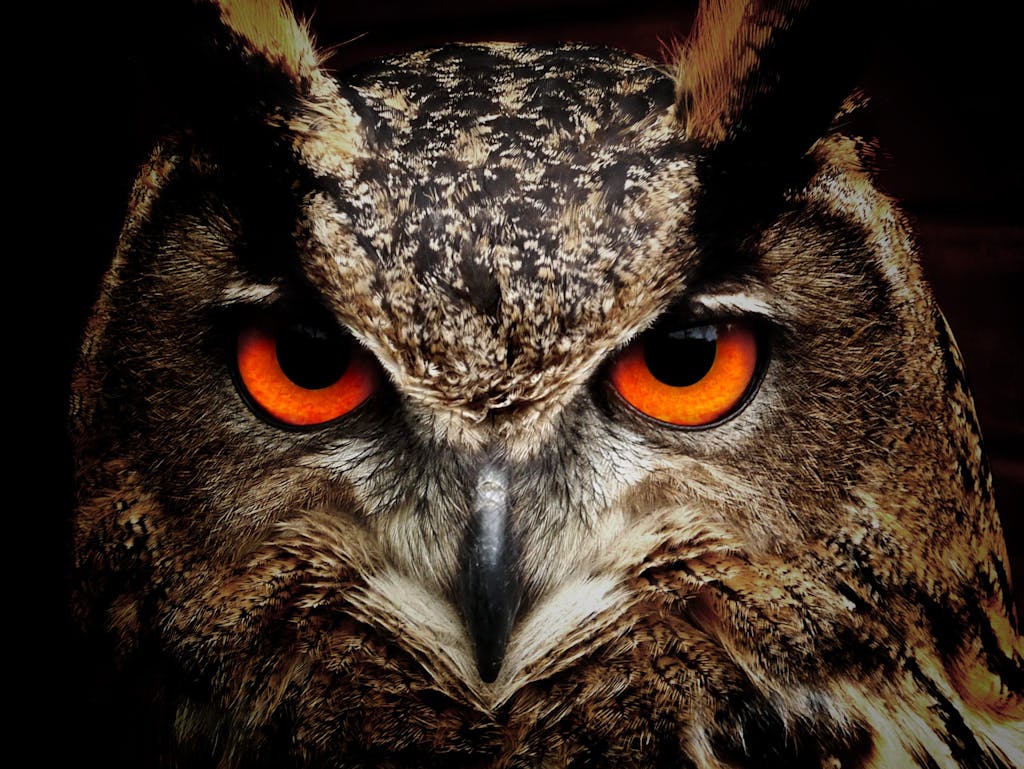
(533, 406)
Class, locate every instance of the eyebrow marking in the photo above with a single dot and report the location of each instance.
(739, 303)
(239, 293)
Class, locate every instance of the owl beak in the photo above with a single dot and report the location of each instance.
(489, 590)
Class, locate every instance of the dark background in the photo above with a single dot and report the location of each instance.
(943, 84)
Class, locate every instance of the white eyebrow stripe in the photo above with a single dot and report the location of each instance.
(741, 303)
(237, 293)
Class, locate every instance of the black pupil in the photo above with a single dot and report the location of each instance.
(312, 357)
(681, 356)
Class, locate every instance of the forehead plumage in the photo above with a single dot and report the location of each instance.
(510, 197)
(521, 101)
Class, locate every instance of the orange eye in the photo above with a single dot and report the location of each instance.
(688, 375)
(302, 374)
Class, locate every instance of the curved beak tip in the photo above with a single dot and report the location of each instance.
(489, 587)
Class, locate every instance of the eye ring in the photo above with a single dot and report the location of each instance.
(691, 376)
(302, 374)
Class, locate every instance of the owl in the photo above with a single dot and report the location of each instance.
(531, 406)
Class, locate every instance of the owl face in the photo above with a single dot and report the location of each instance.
(529, 406)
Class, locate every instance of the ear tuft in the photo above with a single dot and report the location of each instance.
(722, 51)
(268, 30)
(767, 77)
(214, 65)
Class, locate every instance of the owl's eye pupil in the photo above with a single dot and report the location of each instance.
(312, 357)
(681, 357)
